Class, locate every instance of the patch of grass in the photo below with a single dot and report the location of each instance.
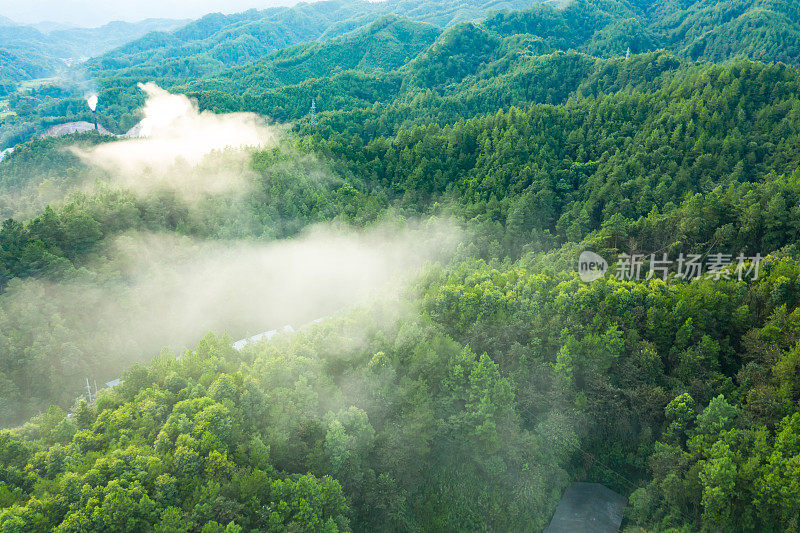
(4, 111)
(34, 84)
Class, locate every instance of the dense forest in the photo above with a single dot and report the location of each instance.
(226, 52)
(470, 397)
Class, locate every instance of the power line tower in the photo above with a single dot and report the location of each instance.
(313, 112)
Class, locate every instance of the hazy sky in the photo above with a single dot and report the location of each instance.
(89, 13)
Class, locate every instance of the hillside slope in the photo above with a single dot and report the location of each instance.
(386, 44)
(496, 378)
(30, 53)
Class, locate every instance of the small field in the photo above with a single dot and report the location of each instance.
(4, 111)
(34, 84)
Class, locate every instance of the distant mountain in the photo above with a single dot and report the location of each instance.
(48, 26)
(764, 30)
(28, 52)
(90, 42)
(217, 41)
(386, 44)
(513, 58)
(5, 21)
(449, 12)
(16, 66)
(360, 53)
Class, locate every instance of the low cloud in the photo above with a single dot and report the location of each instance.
(244, 288)
(181, 148)
(157, 290)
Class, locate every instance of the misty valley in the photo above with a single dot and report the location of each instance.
(408, 265)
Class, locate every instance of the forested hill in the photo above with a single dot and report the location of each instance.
(91, 42)
(204, 47)
(217, 41)
(31, 53)
(765, 30)
(385, 45)
(234, 50)
(503, 377)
